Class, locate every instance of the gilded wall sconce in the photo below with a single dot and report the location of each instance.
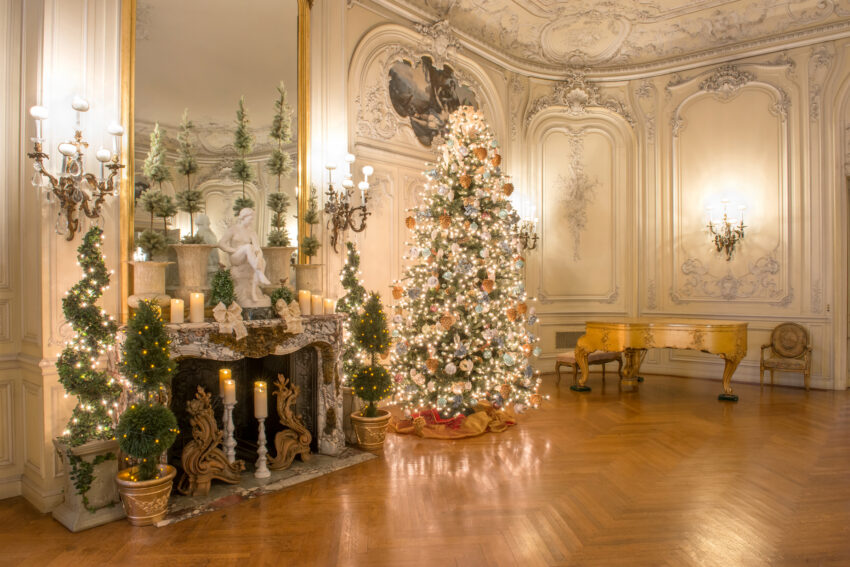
(727, 232)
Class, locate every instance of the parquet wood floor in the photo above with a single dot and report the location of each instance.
(664, 476)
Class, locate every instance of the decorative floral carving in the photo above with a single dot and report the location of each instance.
(817, 297)
(443, 45)
(760, 282)
(726, 79)
(375, 118)
(577, 95)
(578, 191)
(651, 292)
(819, 64)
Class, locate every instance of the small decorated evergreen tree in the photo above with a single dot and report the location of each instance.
(154, 167)
(243, 141)
(310, 244)
(189, 201)
(283, 293)
(79, 365)
(351, 303)
(371, 382)
(147, 428)
(222, 290)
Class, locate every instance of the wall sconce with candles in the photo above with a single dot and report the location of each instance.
(74, 188)
(726, 233)
(338, 202)
(528, 227)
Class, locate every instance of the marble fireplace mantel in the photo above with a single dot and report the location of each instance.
(270, 337)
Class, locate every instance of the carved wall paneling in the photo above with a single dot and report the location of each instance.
(742, 123)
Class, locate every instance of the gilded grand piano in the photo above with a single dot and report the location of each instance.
(728, 339)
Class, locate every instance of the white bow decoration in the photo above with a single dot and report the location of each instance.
(291, 315)
(230, 320)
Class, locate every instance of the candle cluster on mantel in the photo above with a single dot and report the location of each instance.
(315, 304)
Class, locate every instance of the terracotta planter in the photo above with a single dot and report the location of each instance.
(278, 264)
(102, 495)
(192, 263)
(145, 502)
(149, 283)
(309, 277)
(371, 431)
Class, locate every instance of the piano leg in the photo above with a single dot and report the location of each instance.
(728, 371)
(581, 360)
(634, 358)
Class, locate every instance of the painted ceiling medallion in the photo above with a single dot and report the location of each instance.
(584, 40)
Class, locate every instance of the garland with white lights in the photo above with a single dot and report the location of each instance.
(79, 365)
(461, 325)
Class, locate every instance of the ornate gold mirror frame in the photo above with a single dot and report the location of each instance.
(128, 89)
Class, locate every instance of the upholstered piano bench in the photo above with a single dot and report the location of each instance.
(568, 358)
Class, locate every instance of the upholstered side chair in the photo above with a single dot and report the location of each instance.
(789, 350)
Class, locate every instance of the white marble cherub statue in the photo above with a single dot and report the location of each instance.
(247, 265)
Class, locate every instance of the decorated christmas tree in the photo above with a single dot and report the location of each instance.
(243, 141)
(147, 428)
(370, 381)
(461, 322)
(190, 200)
(351, 304)
(80, 366)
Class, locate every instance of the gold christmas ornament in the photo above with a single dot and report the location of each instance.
(432, 364)
(505, 390)
(496, 161)
(511, 314)
(445, 221)
(507, 189)
(526, 350)
(410, 222)
(447, 321)
(488, 285)
(480, 153)
(522, 308)
(397, 292)
(535, 399)
(465, 181)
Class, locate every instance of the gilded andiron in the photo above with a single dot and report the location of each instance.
(338, 203)
(75, 189)
(295, 438)
(202, 459)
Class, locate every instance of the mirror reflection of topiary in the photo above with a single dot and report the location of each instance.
(371, 382)
(283, 293)
(151, 201)
(151, 242)
(310, 244)
(166, 208)
(154, 167)
(189, 201)
(243, 141)
(280, 165)
(222, 290)
(278, 203)
(147, 428)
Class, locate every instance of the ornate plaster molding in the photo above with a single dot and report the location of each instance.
(578, 192)
(761, 281)
(441, 41)
(820, 62)
(578, 96)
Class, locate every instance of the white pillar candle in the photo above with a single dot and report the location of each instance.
(261, 407)
(223, 374)
(304, 301)
(196, 308)
(229, 393)
(316, 305)
(329, 306)
(177, 310)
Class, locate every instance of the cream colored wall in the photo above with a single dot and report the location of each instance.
(54, 49)
(623, 170)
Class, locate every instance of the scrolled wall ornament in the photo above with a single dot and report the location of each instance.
(578, 95)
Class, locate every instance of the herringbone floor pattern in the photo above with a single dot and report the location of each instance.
(664, 476)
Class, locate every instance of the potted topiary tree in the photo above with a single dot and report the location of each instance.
(88, 447)
(243, 141)
(192, 252)
(147, 428)
(309, 275)
(353, 354)
(278, 253)
(371, 382)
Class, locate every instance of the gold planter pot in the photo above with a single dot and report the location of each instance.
(371, 431)
(145, 502)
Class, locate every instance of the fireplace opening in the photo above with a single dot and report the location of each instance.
(299, 367)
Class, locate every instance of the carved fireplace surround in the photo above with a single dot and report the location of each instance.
(269, 337)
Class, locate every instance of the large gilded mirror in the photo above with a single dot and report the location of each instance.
(200, 61)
